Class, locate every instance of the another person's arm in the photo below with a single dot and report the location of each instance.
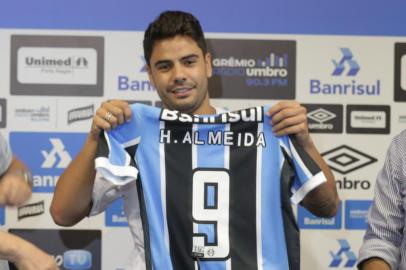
(23, 254)
(15, 184)
(289, 117)
(72, 199)
(383, 238)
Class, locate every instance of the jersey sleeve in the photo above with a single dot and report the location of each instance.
(115, 159)
(307, 173)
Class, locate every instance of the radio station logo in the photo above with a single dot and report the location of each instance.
(344, 256)
(400, 72)
(356, 214)
(80, 114)
(344, 160)
(57, 65)
(30, 210)
(256, 69)
(71, 249)
(307, 220)
(344, 71)
(115, 215)
(325, 118)
(46, 154)
(3, 110)
(132, 83)
(370, 119)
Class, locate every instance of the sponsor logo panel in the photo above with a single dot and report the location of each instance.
(2, 216)
(80, 114)
(325, 118)
(57, 65)
(130, 83)
(356, 212)
(253, 69)
(115, 215)
(307, 220)
(343, 81)
(30, 210)
(3, 111)
(344, 256)
(344, 160)
(400, 72)
(370, 119)
(47, 154)
(71, 249)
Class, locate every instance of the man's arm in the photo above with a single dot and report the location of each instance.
(24, 254)
(72, 199)
(289, 117)
(15, 184)
(374, 264)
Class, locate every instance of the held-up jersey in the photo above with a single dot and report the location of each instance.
(215, 191)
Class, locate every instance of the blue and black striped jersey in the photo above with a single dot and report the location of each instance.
(215, 190)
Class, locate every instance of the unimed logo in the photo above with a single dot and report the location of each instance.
(57, 65)
(47, 154)
(256, 69)
(368, 119)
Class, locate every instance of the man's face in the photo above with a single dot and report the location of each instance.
(179, 71)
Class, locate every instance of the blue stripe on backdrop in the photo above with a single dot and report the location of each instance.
(344, 17)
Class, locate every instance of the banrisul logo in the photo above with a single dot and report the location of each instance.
(325, 118)
(115, 215)
(46, 154)
(257, 69)
(135, 82)
(344, 256)
(346, 60)
(344, 160)
(307, 220)
(345, 70)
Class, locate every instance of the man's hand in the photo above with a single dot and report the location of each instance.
(30, 257)
(14, 190)
(109, 115)
(289, 117)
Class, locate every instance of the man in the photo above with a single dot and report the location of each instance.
(15, 189)
(384, 244)
(179, 67)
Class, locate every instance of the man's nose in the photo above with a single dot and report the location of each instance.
(179, 76)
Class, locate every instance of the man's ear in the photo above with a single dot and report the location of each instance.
(209, 67)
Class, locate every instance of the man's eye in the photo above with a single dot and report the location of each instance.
(163, 67)
(190, 62)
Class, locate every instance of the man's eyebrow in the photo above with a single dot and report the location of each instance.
(193, 55)
(159, 62)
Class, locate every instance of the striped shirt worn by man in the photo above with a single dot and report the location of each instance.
(214, 191)
(385, 236)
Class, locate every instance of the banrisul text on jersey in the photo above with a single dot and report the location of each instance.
(215, 190)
